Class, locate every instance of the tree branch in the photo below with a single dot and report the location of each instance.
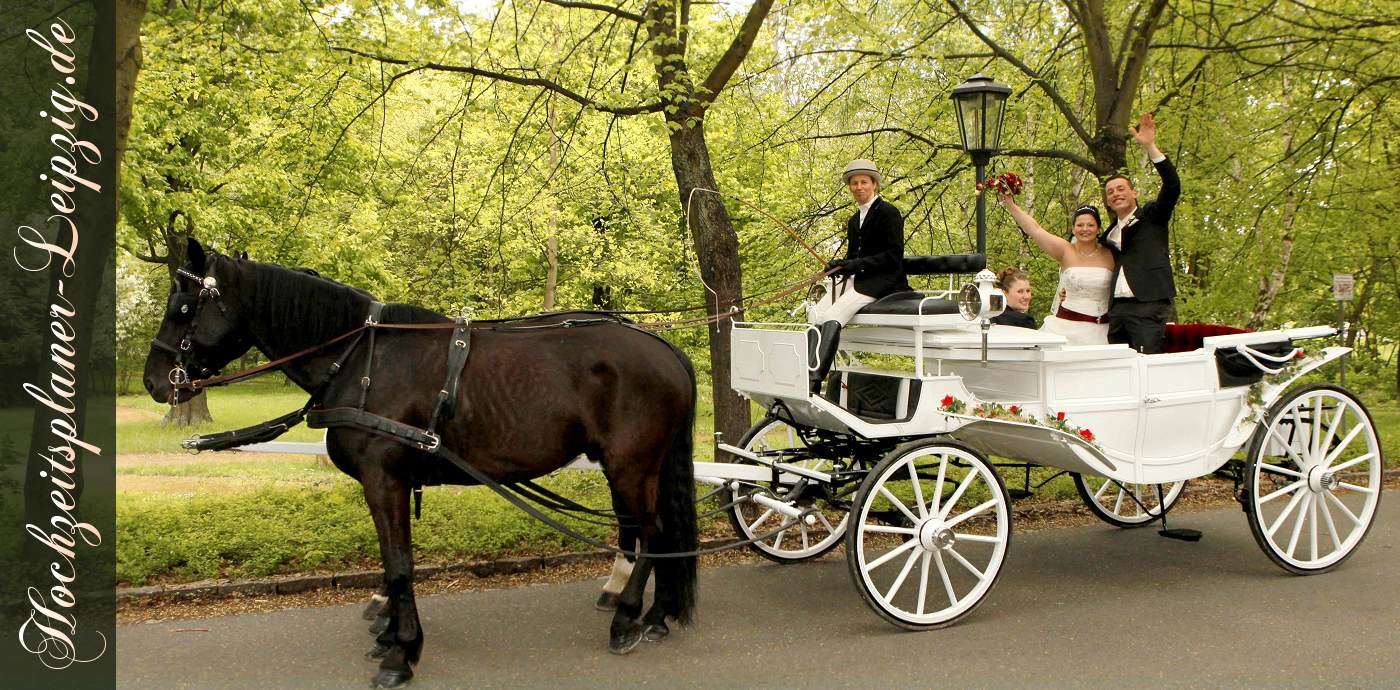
(1070, 156)
(615, 11)
(735, 54)
(1060, 103)
(539, 82)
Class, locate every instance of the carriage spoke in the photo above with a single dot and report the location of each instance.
(825, 523)
(923, 580)
(1312, 525)
(898, 504)
(1342, 445)
(1353, 487)
(1331, 526)
(938, 486)
(1316, 427)
(805, 543)
(1354, 461)
(1287, 446)
(1280, 470)
(980, 538)
(778, 539)
(890, 529)
(1118, 503)
(903, 573)
(979, 509)
(1298, 524)
(953, 500)
(761, 519)
(1336, 422)
(918, 490)
(891, 554)
(963, 562)
(1345, 510)
(947, 583)
(1291, 487)
(1107, 483)
(1297, 498)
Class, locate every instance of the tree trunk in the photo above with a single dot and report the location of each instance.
(192, 411)
(717, 247)
(551, 249)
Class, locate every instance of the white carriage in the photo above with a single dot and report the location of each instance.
(902, 463)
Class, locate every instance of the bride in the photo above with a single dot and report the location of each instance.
(1085, 276)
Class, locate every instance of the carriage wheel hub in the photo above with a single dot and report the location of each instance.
(934, 536)
(1320, 480)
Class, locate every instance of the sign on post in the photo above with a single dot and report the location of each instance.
(1342, 286)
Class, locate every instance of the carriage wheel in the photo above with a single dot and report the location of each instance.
(931, 527)
(1113, 501)
(799, 542)
(1313, 479)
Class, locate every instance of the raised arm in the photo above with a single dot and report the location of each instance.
(1146, 135)
(1057, 247)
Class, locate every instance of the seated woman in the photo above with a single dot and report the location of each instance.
(1017, 286)
(1086, 271)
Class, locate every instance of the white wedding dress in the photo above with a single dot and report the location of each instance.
(1087, 292)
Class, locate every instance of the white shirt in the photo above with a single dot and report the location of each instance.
(1115, 237)
(865, 208)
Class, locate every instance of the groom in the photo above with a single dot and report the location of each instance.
(1143, 288)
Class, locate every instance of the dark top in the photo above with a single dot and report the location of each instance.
(875, 250)
(1144, 255)
(1020, 319)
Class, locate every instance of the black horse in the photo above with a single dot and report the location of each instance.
(533, 395)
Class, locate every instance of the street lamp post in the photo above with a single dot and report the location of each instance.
(980, 104)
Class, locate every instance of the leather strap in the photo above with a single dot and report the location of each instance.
(1072, 315)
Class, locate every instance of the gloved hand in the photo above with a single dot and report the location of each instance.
(842, 266)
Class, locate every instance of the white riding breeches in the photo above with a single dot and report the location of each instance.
(839, 304)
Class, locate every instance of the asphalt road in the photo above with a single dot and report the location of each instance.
(1088, 606)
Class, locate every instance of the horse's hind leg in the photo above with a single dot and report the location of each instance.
(626, 632)
(628, 539)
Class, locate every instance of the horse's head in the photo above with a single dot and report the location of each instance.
(202, 331)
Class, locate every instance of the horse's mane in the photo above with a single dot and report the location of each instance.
(319, 306)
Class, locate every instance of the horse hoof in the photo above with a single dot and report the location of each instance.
(386, 679)
(655, 632)
(372, 609)
(625, 642)
(378, 651)
(379, 625)
(607, 601)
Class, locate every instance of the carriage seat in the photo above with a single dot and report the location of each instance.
(944, 264)
(909, 303)
(1185, 337)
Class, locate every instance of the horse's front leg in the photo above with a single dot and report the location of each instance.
(399, 645)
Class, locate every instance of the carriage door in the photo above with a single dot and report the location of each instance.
(1176, 422)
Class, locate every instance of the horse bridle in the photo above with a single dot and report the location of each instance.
(208, 292)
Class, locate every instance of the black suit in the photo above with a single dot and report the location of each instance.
(1019, 319)
(875, 250)
(1145, 259)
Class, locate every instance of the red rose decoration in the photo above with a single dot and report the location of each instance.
(946, 401)
(1015, 410)
(1060, 416)
(1086, 434)
(1300, 354)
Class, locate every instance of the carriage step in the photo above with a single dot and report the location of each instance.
(1181, 533)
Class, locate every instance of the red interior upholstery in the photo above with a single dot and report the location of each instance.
(1185, 337)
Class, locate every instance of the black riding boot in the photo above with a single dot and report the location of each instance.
(822, 357)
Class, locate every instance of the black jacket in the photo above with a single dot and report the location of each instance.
(1144, 255)
(875, 250)
(1020, 319)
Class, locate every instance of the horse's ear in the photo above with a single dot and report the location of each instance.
(243, 255)
(194, 253)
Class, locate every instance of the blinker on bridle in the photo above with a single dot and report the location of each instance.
(208, 291)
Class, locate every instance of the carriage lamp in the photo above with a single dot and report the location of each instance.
(981, 299)
(980, 104)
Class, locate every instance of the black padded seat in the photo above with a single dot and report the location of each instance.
(944, 264)
(907, 304)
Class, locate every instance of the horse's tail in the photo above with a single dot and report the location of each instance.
(676, 504)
